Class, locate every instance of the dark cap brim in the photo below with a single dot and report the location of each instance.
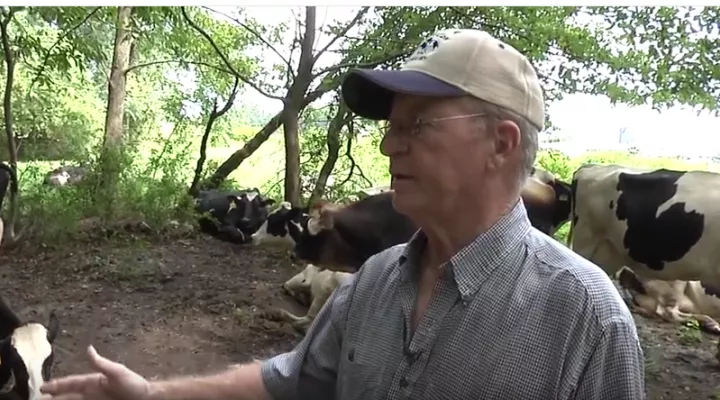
(369, 93)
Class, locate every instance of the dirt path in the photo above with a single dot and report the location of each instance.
(195, 305)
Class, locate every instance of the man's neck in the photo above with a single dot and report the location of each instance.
(448, 234)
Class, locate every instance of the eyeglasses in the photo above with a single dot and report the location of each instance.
(416, 127)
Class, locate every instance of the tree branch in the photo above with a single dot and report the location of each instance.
(256, 34)
(214, 115)
(371, 64)
(224, 58)
(41, 69)
(343, 32)
(200, 63)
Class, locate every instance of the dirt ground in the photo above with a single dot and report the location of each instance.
(196, 304)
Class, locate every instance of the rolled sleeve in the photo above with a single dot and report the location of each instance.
(309, 371)
(616, 369)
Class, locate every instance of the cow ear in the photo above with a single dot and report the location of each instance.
(536, 192)
(233, 201)
(321, 219)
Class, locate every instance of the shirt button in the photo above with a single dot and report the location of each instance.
(404, 382)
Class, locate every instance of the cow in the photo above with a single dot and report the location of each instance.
(7, 178)
(284, 224)
(26, 354)
(673, 301)
(342, 238)
(657, 222)
(318, 284)
(65, 175)
(282, 227)
(233, 216)
(549, 205)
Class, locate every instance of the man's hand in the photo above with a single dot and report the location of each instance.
(111, 381)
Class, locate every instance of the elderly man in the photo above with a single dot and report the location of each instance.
(478, 304)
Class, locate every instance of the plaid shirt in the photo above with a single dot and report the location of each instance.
(516, 315)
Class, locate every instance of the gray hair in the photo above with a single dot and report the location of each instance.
(528, 132)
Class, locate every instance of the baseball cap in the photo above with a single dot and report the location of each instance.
(452, 62)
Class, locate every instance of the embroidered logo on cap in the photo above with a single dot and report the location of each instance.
(431, 44)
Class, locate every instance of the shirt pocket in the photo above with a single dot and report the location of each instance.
(357, 379)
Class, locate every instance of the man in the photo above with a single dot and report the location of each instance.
(478, 305)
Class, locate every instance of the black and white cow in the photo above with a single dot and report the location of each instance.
(7, 178)
(662, 224)
(282, 227)
(65, 175)
(233, 216)
(26, 354)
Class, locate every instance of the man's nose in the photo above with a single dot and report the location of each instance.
(391, 145)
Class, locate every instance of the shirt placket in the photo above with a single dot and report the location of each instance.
(417, 348)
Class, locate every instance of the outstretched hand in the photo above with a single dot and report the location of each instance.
(111, 381)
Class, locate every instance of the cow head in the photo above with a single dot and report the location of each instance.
(283, 226)
(299, 285)
(247, 211)
(26, 356)
(324, 239)
(547, 201)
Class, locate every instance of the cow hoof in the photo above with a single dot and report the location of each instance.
(713, 329)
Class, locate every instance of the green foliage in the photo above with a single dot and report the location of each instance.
(658, 55)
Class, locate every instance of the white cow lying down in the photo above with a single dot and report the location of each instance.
(318, 285)
(673, 301)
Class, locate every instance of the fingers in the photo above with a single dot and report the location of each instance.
(71, 384)
(101, 364)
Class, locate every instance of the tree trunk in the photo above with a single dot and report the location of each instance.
(236, 158)
(111, 159)
(293, 107)
(341, 118)
(292, 155)
(9, 228)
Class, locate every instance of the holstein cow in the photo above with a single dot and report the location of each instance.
(653, 297)
(282, 227)
(233, 216)
(316, 283)
(65, 175)
(7, 178)
(342, 238)
(662, 224)
(26, 354)
(284, 224)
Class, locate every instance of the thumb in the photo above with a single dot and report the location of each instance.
(101, 364)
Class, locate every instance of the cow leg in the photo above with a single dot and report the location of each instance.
(317, 304)
(645, 305)
(708, 324)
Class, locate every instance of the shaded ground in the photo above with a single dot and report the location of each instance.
(193, 305)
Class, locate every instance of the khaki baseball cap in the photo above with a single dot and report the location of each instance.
(452, 63)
